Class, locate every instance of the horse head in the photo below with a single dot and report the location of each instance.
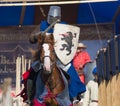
(47, 56)
(46, 50)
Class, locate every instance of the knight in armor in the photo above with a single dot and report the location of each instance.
(30, 76)
(75, 85)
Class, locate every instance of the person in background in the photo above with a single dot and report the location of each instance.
(81, 58)
(91, 94)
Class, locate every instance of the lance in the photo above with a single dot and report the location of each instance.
(33, 38)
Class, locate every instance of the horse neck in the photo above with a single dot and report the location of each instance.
(55, 81)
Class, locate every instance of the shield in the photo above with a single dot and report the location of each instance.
(66, 41)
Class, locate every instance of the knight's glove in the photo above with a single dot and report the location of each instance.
(34, 37)
(36, 66)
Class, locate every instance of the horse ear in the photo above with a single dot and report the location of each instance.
(32, 39)
(40, 37)
(52, 38)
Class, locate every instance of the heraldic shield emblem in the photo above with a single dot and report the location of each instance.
(66, 41)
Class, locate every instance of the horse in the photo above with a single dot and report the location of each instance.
(52, 78)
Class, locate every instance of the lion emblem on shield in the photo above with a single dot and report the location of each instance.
(68, 37)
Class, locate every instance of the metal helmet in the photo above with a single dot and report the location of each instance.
(54, 14)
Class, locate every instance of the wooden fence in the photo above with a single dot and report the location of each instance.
(108, 63)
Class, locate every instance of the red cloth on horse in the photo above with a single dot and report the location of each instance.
(49, 95)
(23, 93)
(26, 74)
(36, 103)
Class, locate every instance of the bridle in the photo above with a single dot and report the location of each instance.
(47, 56)
(49, 75)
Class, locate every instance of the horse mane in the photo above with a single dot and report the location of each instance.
(45, 38)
